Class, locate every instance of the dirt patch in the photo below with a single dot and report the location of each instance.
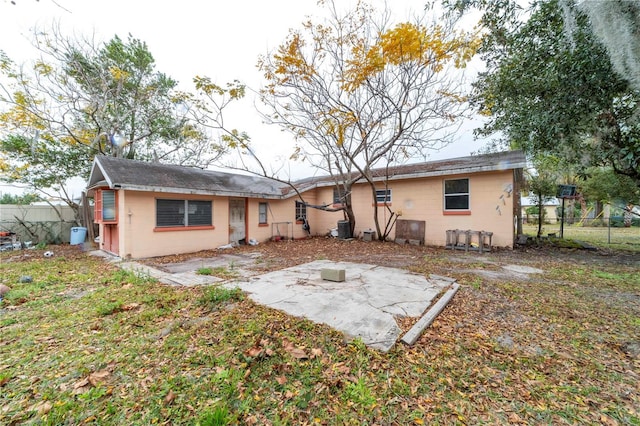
(272, 256)
(283, 254)
(62, 250)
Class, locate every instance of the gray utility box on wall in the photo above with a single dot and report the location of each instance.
(368, 235)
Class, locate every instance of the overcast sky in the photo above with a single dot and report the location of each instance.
(219, 39)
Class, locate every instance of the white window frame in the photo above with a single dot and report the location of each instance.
(263, 208)
(301, 211)
(383, 196)
(109, 213)
(452, 195)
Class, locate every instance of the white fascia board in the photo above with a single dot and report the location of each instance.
(105, 176)
(450, 172)
(435, 173)
(187, 191)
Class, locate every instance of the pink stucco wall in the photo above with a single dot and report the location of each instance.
(491, 209)
(491, 205)
(139, 238)
(281, 220)
(137, 220)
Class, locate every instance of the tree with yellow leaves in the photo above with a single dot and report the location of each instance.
(357, 92)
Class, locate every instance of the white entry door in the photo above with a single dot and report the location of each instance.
(237, 224)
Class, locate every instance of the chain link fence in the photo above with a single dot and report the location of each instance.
(602, 232)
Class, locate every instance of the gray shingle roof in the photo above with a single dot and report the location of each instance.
(145, 176)
(471, 164)
(452, 166)
(142, 175)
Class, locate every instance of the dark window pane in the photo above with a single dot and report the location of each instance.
(383, 196)
(339, 196)
(170, 212)
(262, 213)
(336, 196)
(199, 213)
(301, 210)
(456, 202)
(456, 186)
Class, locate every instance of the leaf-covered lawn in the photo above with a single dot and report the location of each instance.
(604, 237)
(85, 342)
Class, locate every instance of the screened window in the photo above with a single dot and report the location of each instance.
(456, 194)
(383, 196)
(262, 213)
(105, 206)
(108, 205)
(301, 211)
(183, 213)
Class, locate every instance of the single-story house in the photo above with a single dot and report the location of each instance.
(149, 209)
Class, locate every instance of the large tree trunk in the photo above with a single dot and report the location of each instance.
(350, 216)
(376, 220)
(87, 216)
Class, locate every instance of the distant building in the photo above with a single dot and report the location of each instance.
(550, 207)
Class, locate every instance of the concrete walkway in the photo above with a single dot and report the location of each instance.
(184, 276)
(187, 279)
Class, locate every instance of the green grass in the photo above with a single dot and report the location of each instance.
(88, 343)
(218, 416)
(204, 271)
(219, 271)
(627, 239)
(214, 296)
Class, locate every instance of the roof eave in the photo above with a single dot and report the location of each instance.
(434, 173)
(189, 191)
(451, 172)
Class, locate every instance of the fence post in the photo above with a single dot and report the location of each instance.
(562, 220)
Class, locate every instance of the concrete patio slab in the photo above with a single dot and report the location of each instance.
(363, 306)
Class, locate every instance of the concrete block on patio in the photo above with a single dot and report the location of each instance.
(336, 275)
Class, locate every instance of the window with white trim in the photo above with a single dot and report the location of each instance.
(301, 211)
(456, 194)
(262, 213)
(171, 213)
(383, 196)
